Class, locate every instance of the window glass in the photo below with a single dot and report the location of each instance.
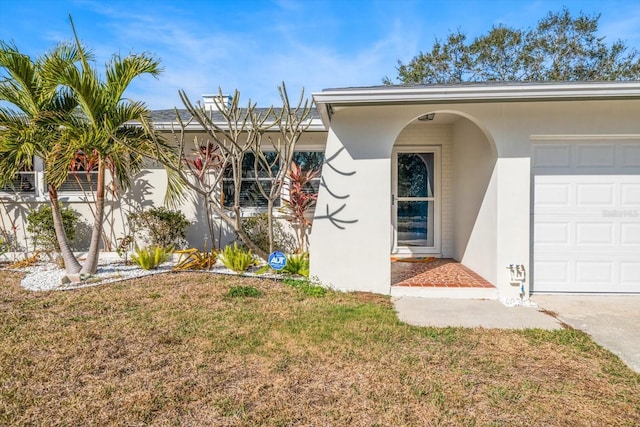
(83, 174)
(415, 174)
(24, 182)
(250, 194)
(310, 160)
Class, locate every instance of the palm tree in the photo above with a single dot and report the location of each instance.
(106, 128)
(29, 128)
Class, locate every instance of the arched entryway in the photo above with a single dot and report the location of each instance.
(443, 198)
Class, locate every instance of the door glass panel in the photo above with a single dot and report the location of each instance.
(415, 174)
(415, 223)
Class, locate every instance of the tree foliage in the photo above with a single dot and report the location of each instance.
(29, 126)
(560, 48)
(238, 135)
(60, 107)
(103, 127)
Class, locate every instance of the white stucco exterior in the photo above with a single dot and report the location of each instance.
(485, 134)
(541, 175)
(148, 189)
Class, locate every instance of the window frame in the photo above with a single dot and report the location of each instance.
(251, 209)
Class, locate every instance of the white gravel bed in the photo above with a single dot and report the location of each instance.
(49, 277)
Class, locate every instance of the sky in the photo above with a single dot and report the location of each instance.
(255, 45)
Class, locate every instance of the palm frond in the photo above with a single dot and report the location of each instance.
(19, 87)
(120, 72)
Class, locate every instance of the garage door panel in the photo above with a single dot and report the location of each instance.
(553, 194)
(630, 156)
(552, 233)
(590, 195)
(630, 234)
(586, 217)
(630, 275)
(594, 273)
(595, 155)
(551, 273)
(552, 156)
(630, 195)
(593, 233)
(574, 274)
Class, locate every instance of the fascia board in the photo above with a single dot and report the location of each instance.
(484, 93)
(315, 126)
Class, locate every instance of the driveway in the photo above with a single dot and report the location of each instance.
(612, 321)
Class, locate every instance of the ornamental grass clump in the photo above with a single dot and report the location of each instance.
(150, 257)
(237, 258)
(193, 259)
(298, 264)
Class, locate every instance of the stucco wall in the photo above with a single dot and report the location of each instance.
(474, 194)
(147, 190)
(499, 190)
(351, 237)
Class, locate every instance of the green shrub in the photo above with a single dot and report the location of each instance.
(297, 264)
(257, 229)
(159, 226)
(4, 246)
(40, 226)
(149, 258)
(244, 291)
(237, 258)
(306, 287)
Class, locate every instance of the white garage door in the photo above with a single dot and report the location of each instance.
(586, 216)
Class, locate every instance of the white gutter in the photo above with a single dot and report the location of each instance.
(315, 126)
(479, 93)
(466, 93)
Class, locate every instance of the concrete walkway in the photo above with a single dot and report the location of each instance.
(612, 321)
(470, 313)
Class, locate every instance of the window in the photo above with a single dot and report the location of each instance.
(310, 160)
(24, 182)
(80, 181)
(83, 174)
(250, 194)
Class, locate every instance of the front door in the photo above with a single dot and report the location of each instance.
(415, 201)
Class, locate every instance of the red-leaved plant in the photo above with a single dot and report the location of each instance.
(299, 201)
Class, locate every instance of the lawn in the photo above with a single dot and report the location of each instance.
(177, 349)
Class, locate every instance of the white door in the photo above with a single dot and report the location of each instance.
(586, 217)
(415, 200)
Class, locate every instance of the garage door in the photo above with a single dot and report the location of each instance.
(586, 216)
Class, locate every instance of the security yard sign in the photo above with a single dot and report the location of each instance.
(277, 260)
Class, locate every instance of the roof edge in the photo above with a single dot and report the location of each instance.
(479, 93)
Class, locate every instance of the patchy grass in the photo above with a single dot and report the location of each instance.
(174, 349)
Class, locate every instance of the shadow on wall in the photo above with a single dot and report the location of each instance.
(139, 196)
(137, 199)
(332, 212)
(82, 237)
(14, 224)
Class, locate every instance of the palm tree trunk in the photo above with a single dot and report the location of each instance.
(71, 264)
(91, 264)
